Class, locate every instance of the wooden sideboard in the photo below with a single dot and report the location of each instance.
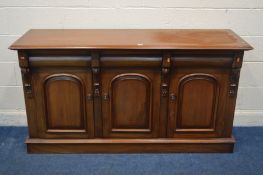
(115, 91)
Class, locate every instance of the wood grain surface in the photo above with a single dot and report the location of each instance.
(130, 39)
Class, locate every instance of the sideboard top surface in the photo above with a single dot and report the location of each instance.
(218, 39)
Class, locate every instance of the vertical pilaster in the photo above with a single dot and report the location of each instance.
(26, 72)
(234, 75)
(232, 92)
(95, 64)
(165, 80)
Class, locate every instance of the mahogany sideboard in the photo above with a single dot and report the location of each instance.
(115, 91)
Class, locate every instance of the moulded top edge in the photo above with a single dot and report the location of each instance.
(183, 39)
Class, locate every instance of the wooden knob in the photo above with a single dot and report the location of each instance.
(172, 97)
(89, 97)
(105, 96)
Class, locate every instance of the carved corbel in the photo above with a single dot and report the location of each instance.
(165, 74)
(164, 85)
(235, 73)
(26, 74)
(95, 64)
(233, 82)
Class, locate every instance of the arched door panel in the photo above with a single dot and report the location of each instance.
(131, 108)
(198, 108)
(63, 108)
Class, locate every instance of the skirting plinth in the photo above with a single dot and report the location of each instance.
(213, 145)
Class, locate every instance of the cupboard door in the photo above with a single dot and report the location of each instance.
(63, 110)
(130, 105)
(196, 107)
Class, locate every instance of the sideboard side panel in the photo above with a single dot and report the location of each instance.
(233, 82)
(30, 104)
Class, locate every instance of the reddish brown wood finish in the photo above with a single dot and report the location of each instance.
(197, 109)
(131, 39)
(215, 145)
(130, 107)
(63, 111)
(157, 91)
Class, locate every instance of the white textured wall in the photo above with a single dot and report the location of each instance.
(245, 17)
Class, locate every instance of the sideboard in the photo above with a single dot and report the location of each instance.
(127, 90)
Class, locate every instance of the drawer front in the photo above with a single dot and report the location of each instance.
(63, 111)
(130, 103)
(196, 106)
(202, 59)
(60, 61)
(130, 58)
